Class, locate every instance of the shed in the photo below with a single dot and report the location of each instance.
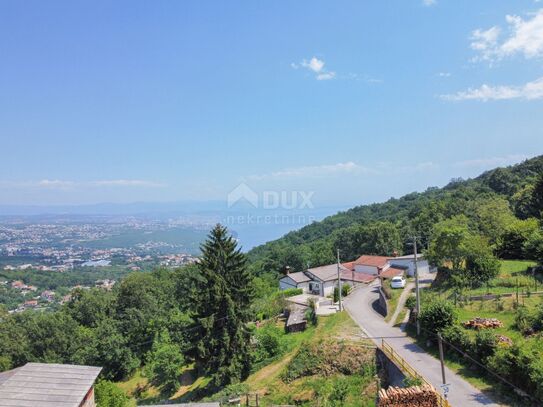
(48, 385)
(296, 321)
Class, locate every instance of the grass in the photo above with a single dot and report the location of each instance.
(393, 301)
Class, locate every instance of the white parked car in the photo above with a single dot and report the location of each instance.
(397, 282)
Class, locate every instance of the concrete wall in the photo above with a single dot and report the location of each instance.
(423, 265)
(383, 302)
(329, 288)
(393, 375)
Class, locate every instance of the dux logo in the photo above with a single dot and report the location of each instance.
(242, 193)
(270, 199)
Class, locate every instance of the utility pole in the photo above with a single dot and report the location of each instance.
(417, 288)
(441, 358)
(339, 281)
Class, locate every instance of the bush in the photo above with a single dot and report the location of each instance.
(411, 302)
(486, 344)
(291, 292)
(269, 343)
(521, 365)
(311, 313)
(109, 395)
(437, 315)
(458, 337)
(345, 289)
(524, 320)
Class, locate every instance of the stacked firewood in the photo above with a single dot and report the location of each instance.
(416, 396)
(483, 323)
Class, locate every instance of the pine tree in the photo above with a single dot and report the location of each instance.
(222, 309)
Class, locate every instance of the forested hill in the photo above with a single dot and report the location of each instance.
(494, 202)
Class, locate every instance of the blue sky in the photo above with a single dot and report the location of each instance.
(124, 101)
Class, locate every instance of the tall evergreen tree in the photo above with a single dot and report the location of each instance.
(222, 309)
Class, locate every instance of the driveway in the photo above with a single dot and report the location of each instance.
(361, 306)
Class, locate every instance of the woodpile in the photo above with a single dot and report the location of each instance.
(483, 323)
(416, 396)
(504, 340)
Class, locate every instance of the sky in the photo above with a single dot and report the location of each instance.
(351, 102)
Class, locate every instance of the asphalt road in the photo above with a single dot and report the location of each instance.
(360, 305)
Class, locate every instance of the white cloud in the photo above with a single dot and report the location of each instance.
(428, 3)
(326, 76)
(47, 183)
(444, 74)
(492, 162)
(529, 91)
(345, 168)
(525, 37)
(315, 171)
(316, 66)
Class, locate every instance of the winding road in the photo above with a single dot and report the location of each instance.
(361, 305)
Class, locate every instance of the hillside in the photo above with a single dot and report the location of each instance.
(384, 228)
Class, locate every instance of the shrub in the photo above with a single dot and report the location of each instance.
(269, 343)
(523, 320)
(109, 395)
(411, 302)
(345, 290)
(410, 381)
(311, 313)
(486, 344)
(458, 337)
(291, 292)
(437, 315)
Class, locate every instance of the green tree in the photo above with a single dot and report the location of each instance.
(222, 309)
(537, 197)
(164, 362)
(493, 217)
(481, 265)
(447, 244)
(437, 315)
(514, 239)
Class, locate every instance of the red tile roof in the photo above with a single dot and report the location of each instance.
(392, 272)
(375, 261)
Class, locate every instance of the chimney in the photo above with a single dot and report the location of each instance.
(287, 270)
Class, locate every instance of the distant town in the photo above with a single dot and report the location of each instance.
(43, 262)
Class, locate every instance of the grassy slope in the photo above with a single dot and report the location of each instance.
(266, 381)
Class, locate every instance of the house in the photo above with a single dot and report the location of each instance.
(375, 266)
(320, 280)
(324, 279)
(18, 284)
(30, 304)
(47, 295)
(408, 263)
(295, 280)
(48, 385)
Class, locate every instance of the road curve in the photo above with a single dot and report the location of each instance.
(360, 305)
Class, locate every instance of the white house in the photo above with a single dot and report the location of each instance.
(295, 280)
(408, 262)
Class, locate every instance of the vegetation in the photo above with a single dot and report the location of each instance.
(481, 213)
